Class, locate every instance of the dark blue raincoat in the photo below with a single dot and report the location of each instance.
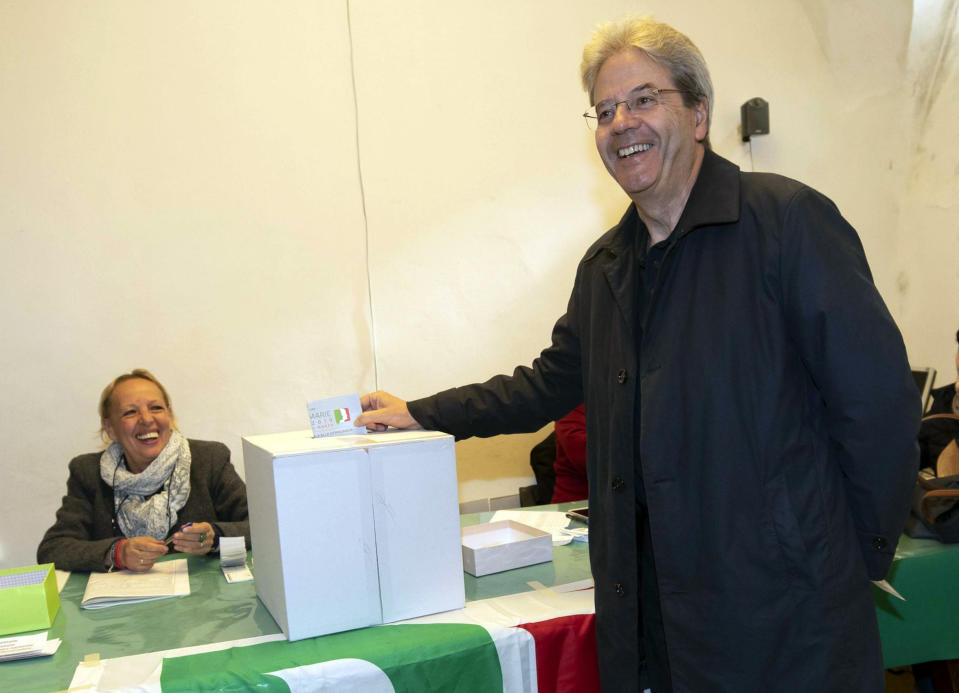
(777, 433)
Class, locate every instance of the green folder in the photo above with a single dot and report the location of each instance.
(28, 598)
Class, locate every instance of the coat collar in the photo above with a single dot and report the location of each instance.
(714, 199)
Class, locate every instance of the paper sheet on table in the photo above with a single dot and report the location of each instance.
(886, 587)
(142, 672)
(26, 646)
(547, 520)
(166, 579)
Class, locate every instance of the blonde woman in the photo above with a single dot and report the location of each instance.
(149, 492)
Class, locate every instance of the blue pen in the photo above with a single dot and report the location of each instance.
(169, 540)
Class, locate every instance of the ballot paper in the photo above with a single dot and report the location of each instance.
(233, 559)
(334, 416)
(166, 579)
(26, 646)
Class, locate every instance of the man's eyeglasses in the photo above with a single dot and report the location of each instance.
(641, 101)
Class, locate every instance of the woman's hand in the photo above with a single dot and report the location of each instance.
(195, 537)
(140, 553)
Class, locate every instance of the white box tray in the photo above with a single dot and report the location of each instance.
(493, 547)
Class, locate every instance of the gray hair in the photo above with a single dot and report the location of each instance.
(663, 44)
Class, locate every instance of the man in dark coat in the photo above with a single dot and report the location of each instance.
(751, 416)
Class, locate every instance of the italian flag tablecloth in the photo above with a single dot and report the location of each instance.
(513, 644)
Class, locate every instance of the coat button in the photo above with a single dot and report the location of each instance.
(878, 543)
(621, 376)
(618, 484)
(619, 589)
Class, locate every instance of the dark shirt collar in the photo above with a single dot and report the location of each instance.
(642, 242)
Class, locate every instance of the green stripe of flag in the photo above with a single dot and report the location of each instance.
(417, 658)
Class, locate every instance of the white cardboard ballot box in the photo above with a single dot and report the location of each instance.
(353, 531)
(493, 547)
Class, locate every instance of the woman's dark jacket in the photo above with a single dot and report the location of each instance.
(776, 427)
(941, 399)
(85, 526)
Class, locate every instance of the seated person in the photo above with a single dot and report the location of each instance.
(149, 483)
(939, 431)
(570, 465)
(945, 399)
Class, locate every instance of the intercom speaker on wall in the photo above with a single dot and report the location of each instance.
(755, 118)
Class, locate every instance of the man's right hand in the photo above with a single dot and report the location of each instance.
(382, 410)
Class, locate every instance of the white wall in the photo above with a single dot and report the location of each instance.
(926, 270)
(177, 191)
(180, 190)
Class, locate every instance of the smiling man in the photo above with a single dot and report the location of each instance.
(751, 417)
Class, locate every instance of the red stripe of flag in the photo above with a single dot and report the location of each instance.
(566, 654)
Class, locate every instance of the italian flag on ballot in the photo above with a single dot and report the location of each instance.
(535, 641)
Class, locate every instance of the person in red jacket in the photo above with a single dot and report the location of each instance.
(570, 464)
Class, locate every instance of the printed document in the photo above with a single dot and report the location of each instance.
(166, 579)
